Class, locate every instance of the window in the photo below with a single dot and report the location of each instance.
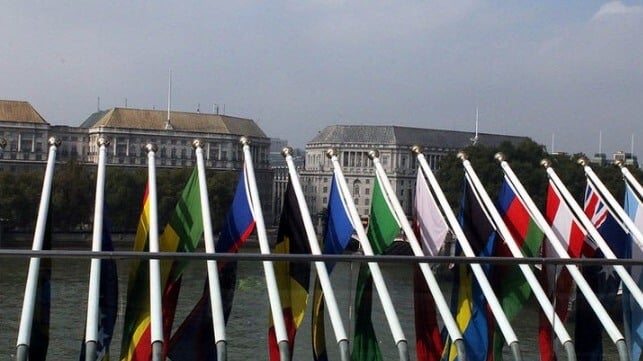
(356, 186)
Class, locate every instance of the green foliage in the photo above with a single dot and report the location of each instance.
(73, 196)
(524, 159)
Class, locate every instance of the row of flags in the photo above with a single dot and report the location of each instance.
(483, 338)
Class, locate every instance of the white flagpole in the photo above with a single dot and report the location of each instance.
(630, 179)
(581, 283)
(156, 308)
(216, 305)
(614, 207)
(378, 279)
(539, 293)
(271, 281)
(322, 272)
(593, 232)
(91, 328)
(29, 301)
(478, 272)
(432, 283)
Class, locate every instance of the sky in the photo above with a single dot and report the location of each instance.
(565, 73)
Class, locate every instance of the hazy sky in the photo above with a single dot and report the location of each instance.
(549, 69)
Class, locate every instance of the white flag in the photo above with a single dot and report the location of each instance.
(428, 218)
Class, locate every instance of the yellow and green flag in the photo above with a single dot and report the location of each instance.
(181, 234)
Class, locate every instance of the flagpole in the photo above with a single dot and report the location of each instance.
(630, 179)
(378, 279)
(218, 322)
(29, 301)
(91, 328)
(271, 281)
(432, 283)
(614, 207)
(322, 272)
(478, 272)
(156, 308)
(581, 283)
(625, 276)
(501, 227)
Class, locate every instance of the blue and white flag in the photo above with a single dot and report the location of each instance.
(632, 313)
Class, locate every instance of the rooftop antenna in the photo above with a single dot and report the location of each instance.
(168, 124)
(632, 146)
(553, 142)
(474, 140)
(125, 102)
(600, 142)
(198, 107)
(98, 104)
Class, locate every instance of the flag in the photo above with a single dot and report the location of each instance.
(181, 234)
(632, 313)
(510, 285)
(467, 300)
(293, 278)
(602, 279)
(194, 339)
(556, 279)
(107, 297)
(337, 235)
(39, 340)
(382, 230)
(431, 229)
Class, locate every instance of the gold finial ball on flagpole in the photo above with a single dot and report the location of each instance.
(286, 151)
(103, 141)
(462, 155)
(3, 142)
(198, 143)
(151, 147)
(500, 157)
(331, 152)
(582, 161)
(244, 140)
(54, 141)
(373, 153)
(417, 149)
(545, 163)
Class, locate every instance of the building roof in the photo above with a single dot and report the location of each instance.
(395, 135)
(180, 121)
(19, 111)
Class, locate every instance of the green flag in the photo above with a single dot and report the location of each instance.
(382, 229)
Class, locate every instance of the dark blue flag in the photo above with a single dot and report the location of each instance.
(602, 279)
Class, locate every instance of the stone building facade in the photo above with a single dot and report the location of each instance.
(353, 142)
(129, 130)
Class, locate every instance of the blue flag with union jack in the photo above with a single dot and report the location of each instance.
(602, 278)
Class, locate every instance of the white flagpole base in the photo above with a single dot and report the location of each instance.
(344, 353)
(569, 349)
(623, 354)
(22, 353)
(157, 351)
(515, 351)
(284, 351)
(460, 349)
(403, 349)
(90, 351)
(222, 351)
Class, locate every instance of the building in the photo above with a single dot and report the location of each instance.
(129, 130)
(280, 174)
(353, 142)
(626, 158)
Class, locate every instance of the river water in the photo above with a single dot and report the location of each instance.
(247, 327)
